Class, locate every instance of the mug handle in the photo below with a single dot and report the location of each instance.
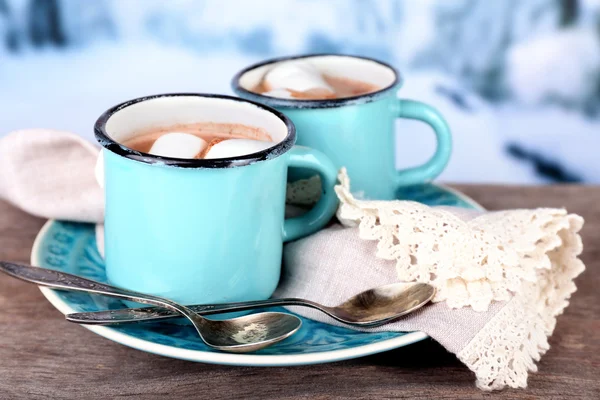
(322, 212)
(411, 109)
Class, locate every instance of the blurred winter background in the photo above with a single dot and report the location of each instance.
(518, 80)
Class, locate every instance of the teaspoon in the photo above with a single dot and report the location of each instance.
(370, 308)
(237, 335)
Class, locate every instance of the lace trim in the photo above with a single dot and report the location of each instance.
(505, 351)
(527, 258)
(472, 263)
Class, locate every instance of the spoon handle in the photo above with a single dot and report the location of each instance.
(62, 280)
(149, 314)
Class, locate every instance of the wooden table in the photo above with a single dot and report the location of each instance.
(42, 355)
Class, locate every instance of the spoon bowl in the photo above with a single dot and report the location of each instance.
(251, 332)
(383, 304)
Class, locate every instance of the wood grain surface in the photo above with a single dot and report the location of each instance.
(43, 356)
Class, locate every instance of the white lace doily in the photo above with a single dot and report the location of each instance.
(525, 258)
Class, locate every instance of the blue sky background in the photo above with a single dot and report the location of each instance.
(518, 80)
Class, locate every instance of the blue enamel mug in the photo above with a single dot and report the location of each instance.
(356, 132)
(202, 231)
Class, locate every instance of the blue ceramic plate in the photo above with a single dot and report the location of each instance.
(71, 247)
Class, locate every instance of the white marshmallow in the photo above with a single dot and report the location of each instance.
(281, 93)
(298, 76)
(178, 145)
(236, 148)
(99, 169)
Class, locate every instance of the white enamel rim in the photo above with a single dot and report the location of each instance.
(229, 358)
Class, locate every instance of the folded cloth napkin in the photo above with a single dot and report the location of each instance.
(502, 277)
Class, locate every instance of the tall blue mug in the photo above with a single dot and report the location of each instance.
(356, 132)
(202, 231)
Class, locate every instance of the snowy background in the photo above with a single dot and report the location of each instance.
(518, 80)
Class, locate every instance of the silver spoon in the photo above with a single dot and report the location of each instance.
(236, 335)
(370, 308)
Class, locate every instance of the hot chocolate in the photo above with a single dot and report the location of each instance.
(201, 140)
(303, 81)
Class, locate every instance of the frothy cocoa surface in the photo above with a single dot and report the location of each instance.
(343, 87)
(211, 132)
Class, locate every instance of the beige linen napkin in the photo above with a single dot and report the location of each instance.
(502, 277)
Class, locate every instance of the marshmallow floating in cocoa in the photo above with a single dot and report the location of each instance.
(236, 147)
(281, 93)
(178, 145)
(296, 77)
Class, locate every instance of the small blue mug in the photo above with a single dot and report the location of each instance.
(202, 231)
(356, 132)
